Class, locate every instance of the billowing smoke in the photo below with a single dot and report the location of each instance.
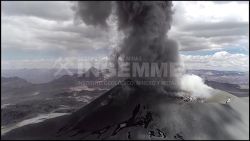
(145, 25)
(93, 12)
(195, 87)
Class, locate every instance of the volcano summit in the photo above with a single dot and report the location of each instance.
(129, 111)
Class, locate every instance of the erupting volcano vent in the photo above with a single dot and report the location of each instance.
(145, 26)
(180, 107)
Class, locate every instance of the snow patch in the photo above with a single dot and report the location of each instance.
(81, 88)
(36, 93)
(5, 105)
(39, 118)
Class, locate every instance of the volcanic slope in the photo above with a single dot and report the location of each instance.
(129, 111)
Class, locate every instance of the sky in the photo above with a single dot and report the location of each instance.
(36, 34)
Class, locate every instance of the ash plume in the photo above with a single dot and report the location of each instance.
(93, 12)
(145, 25)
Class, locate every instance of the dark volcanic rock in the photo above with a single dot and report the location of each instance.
(129, 111)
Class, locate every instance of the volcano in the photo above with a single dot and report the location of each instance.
(131, 111)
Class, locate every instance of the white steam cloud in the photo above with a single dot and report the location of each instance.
(195, 86)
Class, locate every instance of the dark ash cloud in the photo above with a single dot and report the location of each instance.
(94, 12)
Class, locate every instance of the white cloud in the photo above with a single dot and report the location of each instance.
(203, 25)
(68, 62)
(209, 11)
(49, 27)
(218, 61)
(50, 10)
(36, 34)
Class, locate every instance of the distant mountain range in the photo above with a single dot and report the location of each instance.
(124, 112)
(14, 82)
(234, 89)
(38, 76)
(17, 89)
(21, 100)
(230, 77)
(215, 79)
(129, 111)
